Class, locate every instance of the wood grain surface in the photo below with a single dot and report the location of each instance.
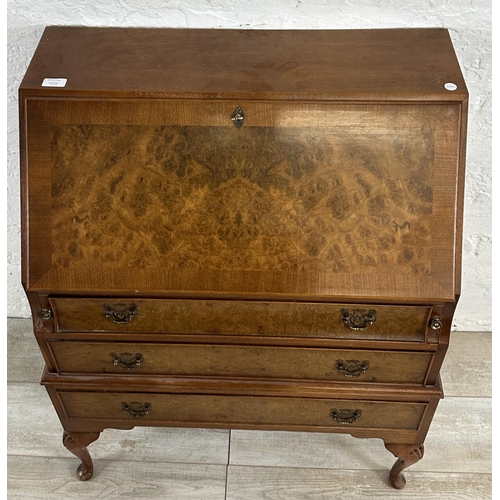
(254, 199)
(43, 436)
(252, 318)
(234, 410)
(307, 199)
(53, 478)
(288, 64)
(236, 361)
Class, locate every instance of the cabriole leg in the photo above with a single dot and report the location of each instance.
(407, 454)
(76, 443)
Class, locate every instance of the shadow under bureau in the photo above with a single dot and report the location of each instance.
(243, 229)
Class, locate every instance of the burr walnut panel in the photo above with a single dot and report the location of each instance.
(279, 319)
(144, 408)
(241, 361)
(340, 195)
(251, 199)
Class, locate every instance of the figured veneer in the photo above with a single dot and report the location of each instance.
(241, 361)
(334, 198)
(214, 197)
(234, 411)
(280, 319)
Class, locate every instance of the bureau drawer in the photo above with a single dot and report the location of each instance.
(233, 411)
(241, 361)
(281, 319)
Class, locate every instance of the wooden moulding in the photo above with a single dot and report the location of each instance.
(242, 386)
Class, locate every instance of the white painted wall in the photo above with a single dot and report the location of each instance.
(469, 22)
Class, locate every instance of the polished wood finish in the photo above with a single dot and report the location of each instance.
(75, 396)
(178, 409)
(273, 319)
(76, 443)
(407, 455)
(221, 209)
(248, 229)
(397, 64)
(236, 361)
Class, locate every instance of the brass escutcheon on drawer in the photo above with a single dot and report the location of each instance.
(261, 362)
(240, 410)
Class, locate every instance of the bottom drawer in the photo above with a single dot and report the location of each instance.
(233, 411)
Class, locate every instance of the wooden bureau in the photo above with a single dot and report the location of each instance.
(243, 229)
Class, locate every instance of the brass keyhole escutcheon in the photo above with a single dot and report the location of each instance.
(238, 117)
(46, 314)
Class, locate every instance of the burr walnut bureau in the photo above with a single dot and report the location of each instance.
(243, 229)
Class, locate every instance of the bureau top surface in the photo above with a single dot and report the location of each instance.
(382, 64)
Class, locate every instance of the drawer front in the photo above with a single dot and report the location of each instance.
(144, 409)
(280, 319)
(241, 361)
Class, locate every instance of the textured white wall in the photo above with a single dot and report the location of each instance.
(469, 22)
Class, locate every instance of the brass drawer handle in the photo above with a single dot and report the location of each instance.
(352, 367)
(345, 416)
(127, 360)
(358, 319)
(238, 117)
(136, 409)
(120, 313)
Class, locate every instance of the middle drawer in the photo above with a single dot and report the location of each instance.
(241, 361)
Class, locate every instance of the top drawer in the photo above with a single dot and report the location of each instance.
(279, 319)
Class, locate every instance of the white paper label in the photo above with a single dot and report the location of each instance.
(450, 86)
(54, 82)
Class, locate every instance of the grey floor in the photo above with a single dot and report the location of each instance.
(179, 464)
